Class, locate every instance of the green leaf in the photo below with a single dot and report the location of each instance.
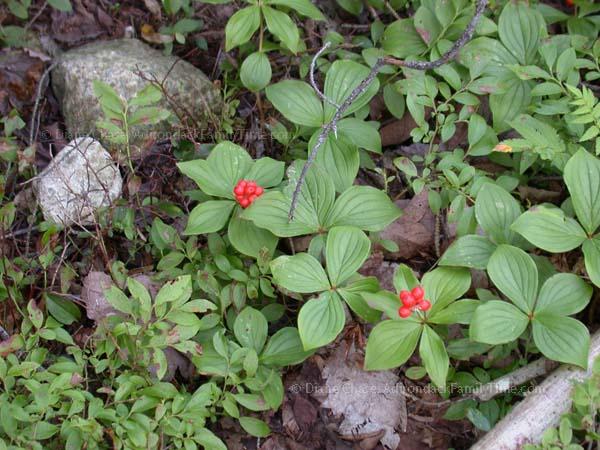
(255, 72)
(520, 29)
(177, 291)
(563, 294)
(248, 239)
(207, 439)
(401, 39)
(241, 26)
(271, 210)
(254, 402)
(227, 164)
(458, 312)
(284, 349)
(139, 292)
(383, 301)
(254, 427)
(496, 322)
(304, 7)
(267, 172)
(109, 99)
(591, 252)
(63, 310)
(342, 78)
(511, 101)
(496, 210)
(316, 198)
(250, 329)
(515, 274)
(317, 194)
(118, 300)
(434, 356)
(209, 217)
(346, 251)
(359, 305)
(562, 339)
(281, 25)
(360, 133)
(320, 320)
(550, 229)
(444, 285)
(404, 278)
(469, 251)
(364, 207)
(149, 95)
(582, 177)
(338, 157)
(299, 273)
(391, 343)
(394, 101)
(297, 101)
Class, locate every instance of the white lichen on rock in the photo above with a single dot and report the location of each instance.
(81, 179)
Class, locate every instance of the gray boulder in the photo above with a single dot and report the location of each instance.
(117, 63)
(81, 178)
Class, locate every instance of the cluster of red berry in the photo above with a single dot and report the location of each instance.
(246, 192)
(411, 300)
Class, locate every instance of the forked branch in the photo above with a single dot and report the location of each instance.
(363, 86)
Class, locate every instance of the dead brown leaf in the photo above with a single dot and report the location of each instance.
(414, 231)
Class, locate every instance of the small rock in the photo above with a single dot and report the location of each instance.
(79, 180)
(117, 63)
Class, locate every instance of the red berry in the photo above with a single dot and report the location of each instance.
(424, 305)
(418, 293)
(246, 192)
(410, 301)
(404, 295)
(570, 2)
(404, 312)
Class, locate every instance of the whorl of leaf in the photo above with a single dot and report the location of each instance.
(362, 87)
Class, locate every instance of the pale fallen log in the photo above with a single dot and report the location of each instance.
(540, 410)
(511, 380)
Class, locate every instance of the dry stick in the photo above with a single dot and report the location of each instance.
(509, 381)
(362, 87)
(38, 96)
(541, 409)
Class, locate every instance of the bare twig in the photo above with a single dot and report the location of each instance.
(38, 96)
(509, 381)
(313, 83)
(363, 86)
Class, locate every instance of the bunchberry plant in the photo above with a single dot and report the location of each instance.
(553, 230)
(393, 341)
(339, 155)
(225, 169)
(546, 308)
(318, 210)
(495, 210)
(322, 318)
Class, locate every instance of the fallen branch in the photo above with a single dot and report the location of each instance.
(520, 376)
(362, 87)
(541, 409)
